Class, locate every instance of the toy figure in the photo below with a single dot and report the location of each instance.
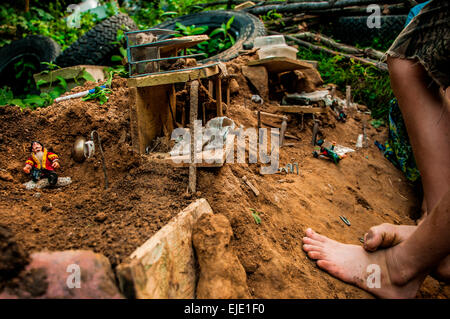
(41, 164)
(324, 152)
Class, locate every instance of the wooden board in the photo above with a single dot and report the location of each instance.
(301, 109)
(181, 76)
(184, 43)
(281, 64)
(152, 114)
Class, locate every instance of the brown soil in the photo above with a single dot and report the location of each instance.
(143, 196)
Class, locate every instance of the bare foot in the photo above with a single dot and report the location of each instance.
(354, 265)
(388, 235)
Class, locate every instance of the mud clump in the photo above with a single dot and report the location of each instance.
(221, 273)
(13, 258)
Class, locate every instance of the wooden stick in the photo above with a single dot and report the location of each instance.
(193, 116)
(282, 117)
(252, 187)
(259, 120)
(219, 96)
(282, 132)
(348, 96)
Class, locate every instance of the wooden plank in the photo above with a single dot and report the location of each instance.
(181, 76)
(184, 43)
(300, 109)
(281, 64)
(165, 265)
(152, 113)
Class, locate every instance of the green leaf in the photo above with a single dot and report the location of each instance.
(116, 58)
(216, 31)
(256, 216)
(40, 82)
(87, 76)
(62, 82)
(229, 23)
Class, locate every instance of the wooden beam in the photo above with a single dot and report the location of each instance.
(281, 64)
(181, 76)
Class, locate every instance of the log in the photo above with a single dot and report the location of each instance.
(312, 6)
(379, 65)
(310, 36)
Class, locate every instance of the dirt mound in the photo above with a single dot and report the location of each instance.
(143, 196)
(221, 274)
(13, 258)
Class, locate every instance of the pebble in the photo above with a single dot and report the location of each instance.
(37, 195)
(100, 217)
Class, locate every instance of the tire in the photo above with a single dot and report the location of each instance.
(33, 50)
(245, 28)
(354, 29)
(37, 48)
(95, 46)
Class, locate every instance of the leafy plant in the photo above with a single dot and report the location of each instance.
(220, 38)
(377, 123)
(273, 16)
(99, 94)
(256, 216)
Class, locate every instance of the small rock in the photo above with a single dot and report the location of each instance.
(234, 86)
(6, 176)
(100, 217)
(37, 195)
(46, 208)
(198, 194)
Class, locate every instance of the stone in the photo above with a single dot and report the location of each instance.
(234, 87)
(100, 217)
(307, 80)
(164, 266)
(222, 276)
(58, 272)
(259, 78)
(42, 183)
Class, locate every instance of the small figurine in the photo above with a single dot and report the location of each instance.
(324, 152)
(42, 163)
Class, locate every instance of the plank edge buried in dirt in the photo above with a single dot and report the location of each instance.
(164, 266)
